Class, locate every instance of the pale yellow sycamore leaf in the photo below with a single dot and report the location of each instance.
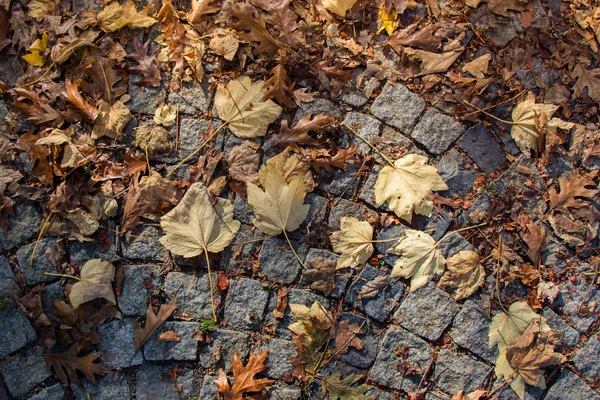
(338, 7)
(505, 371)
(354, 241)
(241, 104)
(197, 225)
(524, 130)
(115, 16)
(280, 205)
(71, 154)
(111, 120)
(408, 186)
(165, 115)
(507, 328)
(464, 274)
(94, 283)
(419, 258)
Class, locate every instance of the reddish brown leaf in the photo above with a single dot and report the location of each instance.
(169, 336)
(299, 133)
(72, 94)
(153, 322)
(345, 337)
(535, 238)
(244, 381)
(321, 275)
(147, 64)
(282, 302)
(570, 193)
(278, 87)
(253, 29)
(68, 363)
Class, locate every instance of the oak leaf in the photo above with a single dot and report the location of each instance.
(200, 8)
(72, 94)
(572, 193)
(198, 225)
(244, 380)
(345, 336)
(147, 64)
(279, 206)
(299, 133)
(240, 104)
(340, 388)
(278, 87)
(338, 7)
(587, 79)
(66, 365)
(153, 139)
(253, 29)
(408, 186)
(354, 241)
(419, 258)
(115, 16)
(321, 276)
(464, 274)
(507, 328)
(153, 322)
(243, 162)
(94, 283)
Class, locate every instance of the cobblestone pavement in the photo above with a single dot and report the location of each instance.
(438, 336)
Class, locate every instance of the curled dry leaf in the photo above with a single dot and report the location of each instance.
(535, 238)
(244, 381)
(153, 139)
(243, 162)
(147, 64)
(94, 283)
(112, 120)
(35, 57)
(280, 206)
(464, 274)
(72, 94)
(338, 7)
(321, 276)
(432, 63)
(241, 104)
(408, 186)
(165, 115)
(299, 133)
(354, 242)
(198, 225)
(153, 322)
(224, 43)
(419, 258)
(282, 302)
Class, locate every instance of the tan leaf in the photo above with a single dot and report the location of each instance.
(112, 120)
(169, 336)
(321, 276)
(94, 283)
(8, 176)
(524, 130)
(200, 8)
(224, 43)
(292, 165)
(501, 7)
(464, 274)
(478, 67)
(253, 29)
(282, 302)
(198, 225)
(419, 258)
(572, 193)
(241, 105)
(301, 96)
(372, 288)
(153, 139)
(408, 186)
(433, 63)
(67, 47)
(115, 16)
(153, 322)
(280, 206)
(587, 79)
(243, 376)
(165, 115)
(299, 133)
(354, 241)
(507, 328)
(338, 7)
(243, 162)
(36, 51)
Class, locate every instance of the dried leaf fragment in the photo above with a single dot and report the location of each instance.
(243, 162)
(36, 51)
(354, 241)
(94, 283)
(338, 7)
(153, 322)
(321, 276)
(464, 274)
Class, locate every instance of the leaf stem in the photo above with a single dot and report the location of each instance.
(33, 82)
(488, 114)
(498, 274)
(293, 251)
(375, 149)
(210, 284)
(44, 227)
(62, 275)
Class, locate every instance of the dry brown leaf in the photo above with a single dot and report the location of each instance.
(225, 43)
(433, 63)
(68, 363)
(572, 193)
(244, 381)
(153, 322)
(278, 87)
(372, 288)
(345, 389)
(344, 335)
(112, 120)
(299, 133)
(282, 302)
(72, 94)
(338, 7)
(411, 36)
(464, 274)
(501, 7)
(587, 79)
(169, 336)
(147, 64)
(94, 283)
(253, 29)
(243, 162)
(321, 276)
(153, 139)
(535, 238)
(478, 67)
(200, 8)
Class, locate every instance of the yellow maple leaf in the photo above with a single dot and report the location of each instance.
(36, 51)
(389, 22)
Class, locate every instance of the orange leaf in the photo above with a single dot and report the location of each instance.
(244, 381)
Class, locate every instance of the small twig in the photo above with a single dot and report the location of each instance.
(62, 275)
(41, 76)
(495, 105)
(43, 228)
(177, 130)
(498, 274)
(488, 114)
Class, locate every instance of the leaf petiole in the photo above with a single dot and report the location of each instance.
(293, 251)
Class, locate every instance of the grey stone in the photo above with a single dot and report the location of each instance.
(381, 305)
(153, 383)
(341, 277)
(144, 100)
(396, 144)
(479, 144)
(34, 273)
(387, 369)
(23, 372)
(521, 175)
(391, 232)
(451, 168)
(209, 389)
(245, 304)
(452, 243)
(586, 359)
(569, 337)
(225, 343)
(15, 330)
(238, 256)
(470, 330)
(278, 263)
(286, 392)
(315, 107)
(399, 107)
(455, 372)
(347, 208)
(317, 212)
(133, 299)
(278, 360)
(185, 349)
(242, 211)
(80, 252)
(117, 344)
(436, 225)
(436, 131)
(427, 311)
(367, 191)
(54, 392)
(360, 358)
(354, 97)
(81, 5)
(531, 392)
(572, 296)
(191, 100)
(23, 225)
(11, 69)
(191, 131)
(570, 386)
(479, 210)
(8, 285)
(107, 388)
(49, 294)
(193, 294)
(340, 183)
(144, 245)
(366, 126)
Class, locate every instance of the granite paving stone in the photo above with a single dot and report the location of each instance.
(193, 295)
(144, 246)
(347, 208)
(316, 107)
(144, 100)
(570, 386)
(586, 358)
(470, 330)
(190, 100)
(436, 131)
(278, 360)
(367, 127)
(107, 388)
(16, 330)
(49, 294)
(31, 365)
(340, 183)
(360, 358)
(286, 392)
(237, 257)
(185, 349)
(117, 344)
(399, 107)
(34, 273)
(8, 285)
(133, 299)
(154, 382)
(23, 225)
(54, 392)
(219, 352)
(455, 372)
(80, 252)
(209, 389)
(479, 144)
(427, 311)
(277, 261)
(459, 179)
(245, 304)
(569, 336)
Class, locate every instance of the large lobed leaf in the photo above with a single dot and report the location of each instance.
(244, 380)
(354, 241)
(95, 283)
(507, 328)
(198, 225)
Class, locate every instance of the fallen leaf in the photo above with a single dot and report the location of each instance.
(240, 104)
(224, 43)
(94, 283)
(507, 328)
(524, 130)
(280, 206)
(388, 21)
(200, 8)
(282, 302)
(153, 139)
(341, 388)
(278, 87)
(153, 322)
(479, 66)
(244, 381)
(169, 336)
(112, 120)
(68, 363)
(534, 237)
(587, 79)
(345, 336)
(432, 63)
(321, 275)
(115, 16)
(8, 176)
(299, 133)
(372, 288)
(301, 96)
(292, 166)
(253, 29)
(243, 162)
(408, 186)
(198, 225)
(412, 36)
(72, 94)
(476, 395)
(464, 274)
(572, 193)
(338, 7)
(165, 115)
(354, 242)
(419, 258)
(501, 7)
(147, 64)
(36, 51)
